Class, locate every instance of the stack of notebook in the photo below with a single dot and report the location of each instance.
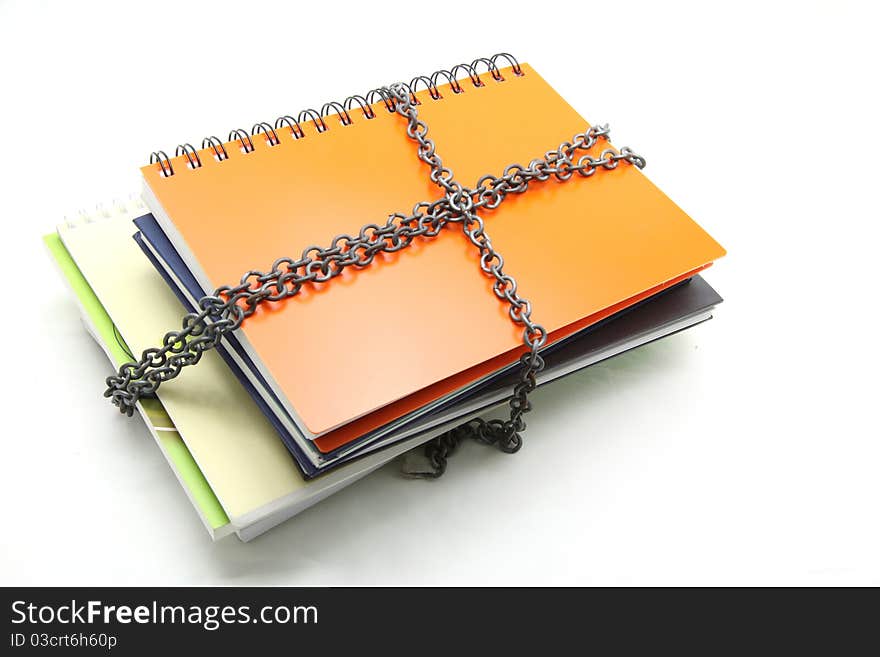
(316, 391)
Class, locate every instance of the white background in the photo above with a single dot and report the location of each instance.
(742, 452)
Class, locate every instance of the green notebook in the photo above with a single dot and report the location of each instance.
(161, 426)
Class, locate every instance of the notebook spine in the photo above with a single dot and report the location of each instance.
(293, 124)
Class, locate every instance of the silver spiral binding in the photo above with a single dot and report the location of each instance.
(349, 102)
(344, 117)
(215, 144)
(295, 128)
(429, 85)
(382, 95)
(244, 140)
(317, 119)
(164, 162)
(192, 157)
(269, 131)
(456, 77)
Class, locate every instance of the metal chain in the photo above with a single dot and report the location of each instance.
(223, 312)
(461, 202)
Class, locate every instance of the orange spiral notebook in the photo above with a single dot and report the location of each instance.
(348, 357)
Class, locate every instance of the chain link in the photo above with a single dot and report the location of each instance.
(224, 311)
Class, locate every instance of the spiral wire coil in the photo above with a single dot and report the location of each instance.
(352, 104)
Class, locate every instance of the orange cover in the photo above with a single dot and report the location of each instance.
(421, 323)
